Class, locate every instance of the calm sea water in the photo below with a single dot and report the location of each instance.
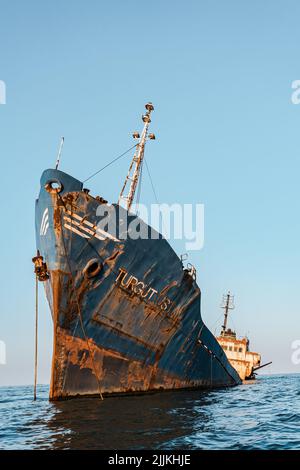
(264, 415)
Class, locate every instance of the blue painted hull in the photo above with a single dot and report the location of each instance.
(126, 314)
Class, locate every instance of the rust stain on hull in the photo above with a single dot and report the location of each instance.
(73, 372)
(126, 315)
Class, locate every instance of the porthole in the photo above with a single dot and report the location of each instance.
(92, 268)
(54, 186)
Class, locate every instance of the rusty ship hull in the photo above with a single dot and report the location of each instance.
(126, 314)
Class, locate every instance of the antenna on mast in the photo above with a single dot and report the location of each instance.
(227, 304)
(128, 191)
(59, 152)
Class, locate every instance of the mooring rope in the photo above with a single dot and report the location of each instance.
(36, 334)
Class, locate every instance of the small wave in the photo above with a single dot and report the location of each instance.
(264, 415)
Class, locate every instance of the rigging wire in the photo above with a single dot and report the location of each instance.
(161, 220)
(139, 189)
(216, 324)
(151, 181)
(110, 163)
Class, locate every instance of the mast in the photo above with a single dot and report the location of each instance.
(59, 152)
(227, 304)
(128, 191)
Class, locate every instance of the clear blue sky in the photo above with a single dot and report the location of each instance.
(219, 74)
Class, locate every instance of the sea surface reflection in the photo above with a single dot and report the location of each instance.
(264, 415)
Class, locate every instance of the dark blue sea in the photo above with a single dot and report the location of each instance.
(263, 415)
